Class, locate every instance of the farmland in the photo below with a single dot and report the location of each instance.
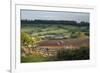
(70, 38)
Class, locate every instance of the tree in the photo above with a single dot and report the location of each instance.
(25, 39)
(78, 35)
(36, 39)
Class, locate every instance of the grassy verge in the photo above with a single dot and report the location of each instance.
(33, 59)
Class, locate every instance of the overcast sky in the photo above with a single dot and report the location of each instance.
(53, 15)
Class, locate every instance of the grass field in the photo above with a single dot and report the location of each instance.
(33, 59)
(43, 29)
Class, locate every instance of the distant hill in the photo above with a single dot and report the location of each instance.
(60, 22)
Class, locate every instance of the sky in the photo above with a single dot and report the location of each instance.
(54, 15)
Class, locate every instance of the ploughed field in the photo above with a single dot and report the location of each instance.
(65, 43)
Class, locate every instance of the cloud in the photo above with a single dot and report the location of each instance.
(54, 15)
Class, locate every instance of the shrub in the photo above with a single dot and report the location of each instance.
(25, 39)
(76, 54)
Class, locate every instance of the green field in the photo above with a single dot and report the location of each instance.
(43, 29)
(33, 59)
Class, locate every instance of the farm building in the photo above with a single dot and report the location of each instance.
(55, 36)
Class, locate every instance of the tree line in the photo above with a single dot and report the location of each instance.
(62, 22)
